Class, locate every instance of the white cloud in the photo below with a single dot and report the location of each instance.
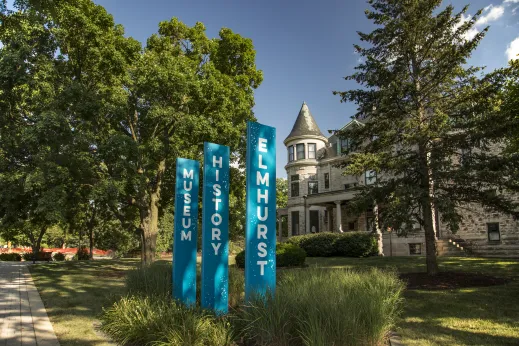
(490, 14)
(469, 35)
(512, 51)
(511, 2)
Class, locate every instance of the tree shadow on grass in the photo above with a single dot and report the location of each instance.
(460, 337)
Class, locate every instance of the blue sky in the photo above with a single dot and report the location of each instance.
(304, 47)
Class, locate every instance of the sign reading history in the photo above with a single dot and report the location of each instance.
(215, 228)
(185, 234)
(260, 231)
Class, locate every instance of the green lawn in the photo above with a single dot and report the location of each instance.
(74, 293)
(469, 316)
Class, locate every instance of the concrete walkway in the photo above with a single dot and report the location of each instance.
(23, 319)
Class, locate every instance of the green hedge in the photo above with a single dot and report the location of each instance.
(351, 244)
(58, 256)
(287, 255)
(10, 257)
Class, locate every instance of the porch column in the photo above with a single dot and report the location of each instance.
(280, 230)
(329, 211)
(339, 216)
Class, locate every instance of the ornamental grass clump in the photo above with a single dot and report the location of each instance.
(325, 307)
(153, 320)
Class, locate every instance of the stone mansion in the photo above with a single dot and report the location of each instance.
(318, 197)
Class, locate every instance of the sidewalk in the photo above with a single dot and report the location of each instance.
(23, 319)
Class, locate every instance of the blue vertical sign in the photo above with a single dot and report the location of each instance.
(260, 230)
(215, 228)
(185, 233)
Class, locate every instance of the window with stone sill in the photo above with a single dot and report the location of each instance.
(294, 189)
(313, 187)
(291, 153)
(493, 231)
(415, 249)
(326, 180)
(311, 150)
(300, 151)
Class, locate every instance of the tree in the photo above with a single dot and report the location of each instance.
(34, 137)
(281, 192)
(431, 123)
(185, 89)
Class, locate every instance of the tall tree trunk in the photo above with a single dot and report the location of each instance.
(91, 224)
(150, 218)
(380, 242)
(36, 242)
(426, 205)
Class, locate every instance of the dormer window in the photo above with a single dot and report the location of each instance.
(300, 151)
(291, 153)
(311, 150)
(345, 145)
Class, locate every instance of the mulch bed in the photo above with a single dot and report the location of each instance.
(449, 280)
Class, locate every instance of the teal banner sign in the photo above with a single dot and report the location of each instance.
(215, 228)
(260, 230)
(186, 231)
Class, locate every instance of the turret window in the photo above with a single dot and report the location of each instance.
(311, 150)
(300, 151)
(291, 153)
(294, 185)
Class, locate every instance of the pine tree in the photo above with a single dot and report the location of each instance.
(432, 127)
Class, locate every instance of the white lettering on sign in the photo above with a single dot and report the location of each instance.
(262, 200)
(185, 236)
(186, 219)
(216, 218)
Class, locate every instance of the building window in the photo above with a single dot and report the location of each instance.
(345, 145)
(295, 223)
(493, 231)
(351, 226)
(370, 177)
(313, 187)
(294, 185)
(415, 249)
(326, 216)
(326, 180)
(300, 151)
(311, 150)
(291, 153)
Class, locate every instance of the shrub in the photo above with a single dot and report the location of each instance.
(319, 244)
(58, 256)
(141, 320)
(287, 255)
(325, 307)
(156, 280)
(13, 257)
(350, 244)
(356, 244)
(82, 254)
(240, 259)
(40, 256)
(152, 280)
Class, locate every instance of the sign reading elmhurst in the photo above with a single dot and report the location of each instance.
(260, 229)
(186, 227)
(215, 228)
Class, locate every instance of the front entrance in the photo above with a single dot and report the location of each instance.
(314, 221)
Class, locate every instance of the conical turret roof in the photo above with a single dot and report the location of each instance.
(305, 124)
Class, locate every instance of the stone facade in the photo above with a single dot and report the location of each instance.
(318, 196)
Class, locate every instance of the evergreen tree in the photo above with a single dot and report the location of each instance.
(432, 130)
